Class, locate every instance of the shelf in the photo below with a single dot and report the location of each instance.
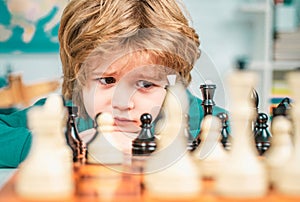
(285, 65)
(260, 65)
(274, 65)
(254, 7)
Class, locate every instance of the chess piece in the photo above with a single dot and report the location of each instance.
(241, 63)
(224, 131)
(285, 103)
(193, 142)
(281, 148)
(171, 170)
(208, 91)
(102, 148)
(74, 141)
(243, 174)
(262, 134)
(282, 109)
(145, 143)
(210, 153)
(289, 178)
(47, 172)
(255, 99)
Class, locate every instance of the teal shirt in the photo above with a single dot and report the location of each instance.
(15, 137)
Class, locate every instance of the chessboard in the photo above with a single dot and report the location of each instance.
(103, 183)
(167, 171)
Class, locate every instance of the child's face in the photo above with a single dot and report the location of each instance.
(127, 88)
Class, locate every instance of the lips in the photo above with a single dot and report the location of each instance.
(122, 121)
(126, 125)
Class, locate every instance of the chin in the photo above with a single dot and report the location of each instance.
(123, 129)
(123, 140)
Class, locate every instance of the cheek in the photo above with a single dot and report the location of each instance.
(95, 100)
(88, 100)
(151, 103)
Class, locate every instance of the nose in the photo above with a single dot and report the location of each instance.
(123, 99)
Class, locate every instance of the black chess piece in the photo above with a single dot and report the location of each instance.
(73, 139)
(193, 142)
(145, 143)
(242, 63)
(262, 134)
(282, 108)
(254, 98)
(208, 91)
(224, 131)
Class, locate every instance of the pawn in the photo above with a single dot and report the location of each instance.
(262, 134)
(102, 148)
(145, 143)
(224, 132)
(281, 148)
(210, 154)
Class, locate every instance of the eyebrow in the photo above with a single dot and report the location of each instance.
(153, 76)
(148, 75)
(104, 73)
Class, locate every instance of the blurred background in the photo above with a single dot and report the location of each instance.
(262, 33)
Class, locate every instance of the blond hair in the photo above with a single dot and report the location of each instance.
(100, 27)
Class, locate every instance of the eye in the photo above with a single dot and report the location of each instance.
(107, 80)
(144, 84)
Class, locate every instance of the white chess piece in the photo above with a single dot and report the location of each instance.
(102, 149)
(47, 172)
(281, 147)
(289, 177)
(243, 174)
(210, 154)
(171, 172)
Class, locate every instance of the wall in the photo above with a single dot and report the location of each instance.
(223, 33)
(34, 67)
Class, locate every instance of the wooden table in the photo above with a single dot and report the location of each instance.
(100, 183)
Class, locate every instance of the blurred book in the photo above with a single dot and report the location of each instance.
(287, 46)
(280, 90)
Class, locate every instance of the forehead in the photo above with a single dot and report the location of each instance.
(139, 61)
(133, 61)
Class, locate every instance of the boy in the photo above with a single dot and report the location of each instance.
(115, 56)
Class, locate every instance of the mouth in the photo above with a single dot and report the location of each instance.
(121, 121)
(126, 125)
